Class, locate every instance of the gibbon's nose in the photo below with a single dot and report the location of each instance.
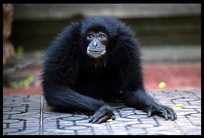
(94, 44)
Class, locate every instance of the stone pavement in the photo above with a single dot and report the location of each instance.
(30, 115)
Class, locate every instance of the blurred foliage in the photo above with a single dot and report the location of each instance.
(19, 52)
(38, 54)
(25, 83)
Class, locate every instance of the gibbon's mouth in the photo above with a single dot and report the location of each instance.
(96, 53)
(96, 50)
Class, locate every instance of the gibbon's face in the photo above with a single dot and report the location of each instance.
(97, 44)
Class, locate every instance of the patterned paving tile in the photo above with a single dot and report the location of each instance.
(30, 115)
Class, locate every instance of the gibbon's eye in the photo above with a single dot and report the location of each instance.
(102, 36)
(90, 35)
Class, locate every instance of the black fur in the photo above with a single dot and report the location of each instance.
(72, 80)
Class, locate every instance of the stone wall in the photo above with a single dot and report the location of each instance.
(62, 11)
